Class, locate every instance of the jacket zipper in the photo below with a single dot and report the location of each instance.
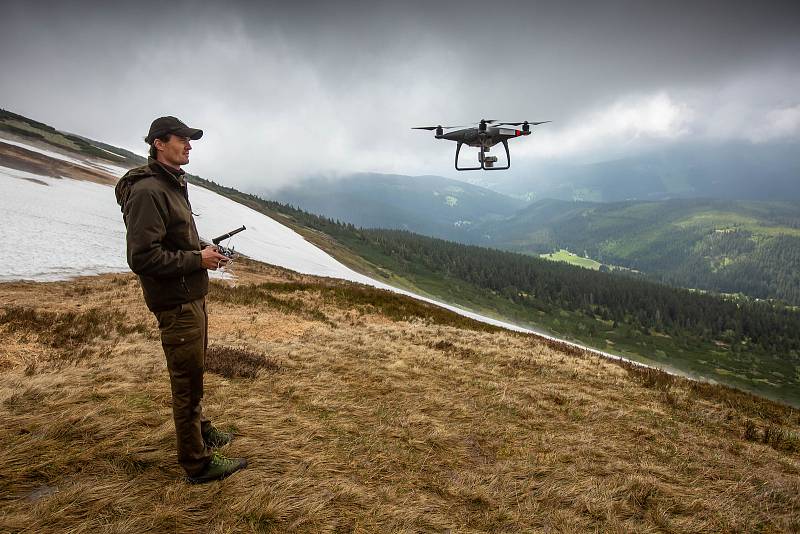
(183, 283)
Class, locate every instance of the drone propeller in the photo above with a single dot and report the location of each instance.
(431, 128)
(523, 122)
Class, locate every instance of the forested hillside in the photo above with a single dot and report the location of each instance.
(724, 246)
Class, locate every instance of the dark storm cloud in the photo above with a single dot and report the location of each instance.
(283, 90)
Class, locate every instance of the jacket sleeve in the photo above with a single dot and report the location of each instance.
(146, 224)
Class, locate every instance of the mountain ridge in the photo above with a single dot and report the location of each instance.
(431, 205)
(726, 170)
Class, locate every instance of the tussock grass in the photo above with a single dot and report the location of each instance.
(371, 422)
(745, 402)
(649, 377)
(774, 436)
(238, 362)
(70, 333)
(397, 307)
(342, 295)
(449, 347)
(252, 295)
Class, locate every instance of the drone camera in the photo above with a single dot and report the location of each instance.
(483, 135)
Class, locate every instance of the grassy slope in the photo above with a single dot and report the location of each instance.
(573, 259)
(361, 421)
(769, 375)
(366, 412)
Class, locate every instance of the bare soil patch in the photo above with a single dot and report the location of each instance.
(16, 157)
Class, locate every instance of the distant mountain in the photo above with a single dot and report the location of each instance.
(734, 171)
(729, 246)
(430, 205)
(752, 247)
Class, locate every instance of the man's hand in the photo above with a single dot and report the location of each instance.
(212, 259)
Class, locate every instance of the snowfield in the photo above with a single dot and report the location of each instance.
(59, 230)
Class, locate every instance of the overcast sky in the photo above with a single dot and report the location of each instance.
(285, 90)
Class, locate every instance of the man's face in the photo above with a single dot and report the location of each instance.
(175, 151)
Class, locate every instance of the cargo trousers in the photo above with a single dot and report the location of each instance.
(184, 337)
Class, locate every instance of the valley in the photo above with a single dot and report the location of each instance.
(750, 247)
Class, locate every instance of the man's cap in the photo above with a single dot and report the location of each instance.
(171, 125)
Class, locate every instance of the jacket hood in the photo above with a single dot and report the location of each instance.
(123, 188)
(152, 169)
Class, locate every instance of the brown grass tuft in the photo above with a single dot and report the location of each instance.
(649, 377)
(68, 330)
(238, 362)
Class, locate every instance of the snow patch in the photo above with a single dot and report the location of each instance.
(69, 228)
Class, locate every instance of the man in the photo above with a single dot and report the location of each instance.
(165, 250)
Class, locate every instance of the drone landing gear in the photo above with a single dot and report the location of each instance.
(486, 162)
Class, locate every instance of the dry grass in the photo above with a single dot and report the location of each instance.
(362, 414)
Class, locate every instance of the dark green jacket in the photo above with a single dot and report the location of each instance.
(163, 244)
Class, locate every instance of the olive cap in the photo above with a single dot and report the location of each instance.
(171, 125)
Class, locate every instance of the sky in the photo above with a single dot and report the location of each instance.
(288, 90)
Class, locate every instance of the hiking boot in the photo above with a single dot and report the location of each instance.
(218, 468)
(216, 438)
